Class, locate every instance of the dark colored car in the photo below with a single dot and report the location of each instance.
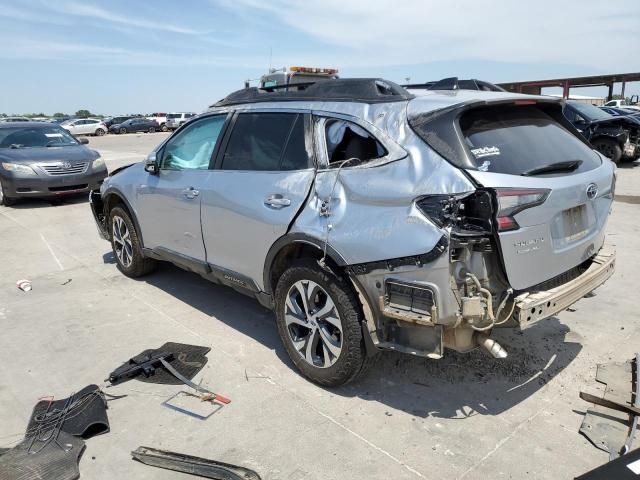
(44, 160)
(618, 138)
(135, 125)
(116, 120)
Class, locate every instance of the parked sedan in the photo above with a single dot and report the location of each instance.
(135, 125)
(85, 126)
(109, 122)
(44, 160)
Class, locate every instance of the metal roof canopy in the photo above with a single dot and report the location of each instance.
(534, 86)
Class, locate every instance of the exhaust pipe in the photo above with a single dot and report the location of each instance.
(491, 346)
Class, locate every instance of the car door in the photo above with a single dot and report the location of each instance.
(75, 127)
(169, 201)
(263, 175)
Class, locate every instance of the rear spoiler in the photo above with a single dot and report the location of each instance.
(453, 83)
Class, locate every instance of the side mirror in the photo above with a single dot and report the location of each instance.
(151, 164)
(83, 140)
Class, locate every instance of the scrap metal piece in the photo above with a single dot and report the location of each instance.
(634, 423)
(610, 429)
(210, 395)
(203, 467)
(621, 407)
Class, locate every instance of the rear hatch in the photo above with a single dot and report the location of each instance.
(552, 192)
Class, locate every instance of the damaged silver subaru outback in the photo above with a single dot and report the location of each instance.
(369, 219)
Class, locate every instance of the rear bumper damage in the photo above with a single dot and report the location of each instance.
(540, 305)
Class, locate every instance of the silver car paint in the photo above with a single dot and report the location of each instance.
(238, 224)
(540, 249)
(170, 195)
(373, 216)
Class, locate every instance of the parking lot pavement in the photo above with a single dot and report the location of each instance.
(463, 417)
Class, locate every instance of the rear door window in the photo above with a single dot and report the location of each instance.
(267, 142)
(523, 139)
(346, 140)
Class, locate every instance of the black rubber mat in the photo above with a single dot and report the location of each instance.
(85, 415)
(187, 359)
(55, 459)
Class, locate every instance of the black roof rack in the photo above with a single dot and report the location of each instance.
(363, 90)
(453, 83)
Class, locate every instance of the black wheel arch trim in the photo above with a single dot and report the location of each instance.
(105, 199)
(292, 238)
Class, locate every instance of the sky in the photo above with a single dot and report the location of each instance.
(122, 57)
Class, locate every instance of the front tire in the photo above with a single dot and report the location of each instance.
(164, 127)
(126, 245)
(609, 148)
(319, 322)
(152, 130)
(123, 130)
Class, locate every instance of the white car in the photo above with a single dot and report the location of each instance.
(623, 103)
(85, 126)
(174, 120)
(160, 119)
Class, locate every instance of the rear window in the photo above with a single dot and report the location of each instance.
(521, 140)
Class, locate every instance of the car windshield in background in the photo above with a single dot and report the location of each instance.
(174, 115)
(523, 141)
(26, 137)
(590, 112)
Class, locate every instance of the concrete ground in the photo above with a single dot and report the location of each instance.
(463, 417)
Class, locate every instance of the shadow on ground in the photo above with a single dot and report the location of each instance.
(48, 202)
(457, 386)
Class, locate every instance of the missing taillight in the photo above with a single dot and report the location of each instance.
(468, 213)
(514, 200)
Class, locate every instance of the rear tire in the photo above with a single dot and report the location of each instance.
(126, 245)
(99, 132)
(4, 200)
(164, 127)
(609, 148)
(328, 348)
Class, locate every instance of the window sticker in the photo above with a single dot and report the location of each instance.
(485, 152)
(53, 135)
(485, 166)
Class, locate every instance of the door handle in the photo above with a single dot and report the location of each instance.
(277, 201)
(190, 193)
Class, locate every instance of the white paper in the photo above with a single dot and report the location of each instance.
(634, 467)
(53, 135)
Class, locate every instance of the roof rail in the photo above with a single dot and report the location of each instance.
(362, 90)
(453, 83)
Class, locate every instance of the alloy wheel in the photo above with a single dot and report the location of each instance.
(122, 242)
(313, 324)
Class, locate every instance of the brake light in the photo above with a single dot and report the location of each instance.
(515, 200)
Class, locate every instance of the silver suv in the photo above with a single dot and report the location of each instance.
(369, 219)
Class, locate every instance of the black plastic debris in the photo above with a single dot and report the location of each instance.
(53, 441)
(202, 467)
(37, 459)
(188, 360)
(626, 467)
(85, 417)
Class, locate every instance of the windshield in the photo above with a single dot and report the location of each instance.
(590, 112)
(174, 115)
(25, 137)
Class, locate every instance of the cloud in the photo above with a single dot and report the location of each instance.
(88, 54)
(379, 32)
(97, 13)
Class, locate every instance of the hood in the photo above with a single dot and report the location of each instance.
(73, 153)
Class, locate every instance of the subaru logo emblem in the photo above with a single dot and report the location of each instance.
(66, 165)
(592, 191)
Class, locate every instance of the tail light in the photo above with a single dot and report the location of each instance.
(514, 200)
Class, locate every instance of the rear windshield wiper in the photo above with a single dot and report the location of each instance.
(568, 166)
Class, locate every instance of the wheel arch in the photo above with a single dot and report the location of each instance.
(112, 198)
(292, 246)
